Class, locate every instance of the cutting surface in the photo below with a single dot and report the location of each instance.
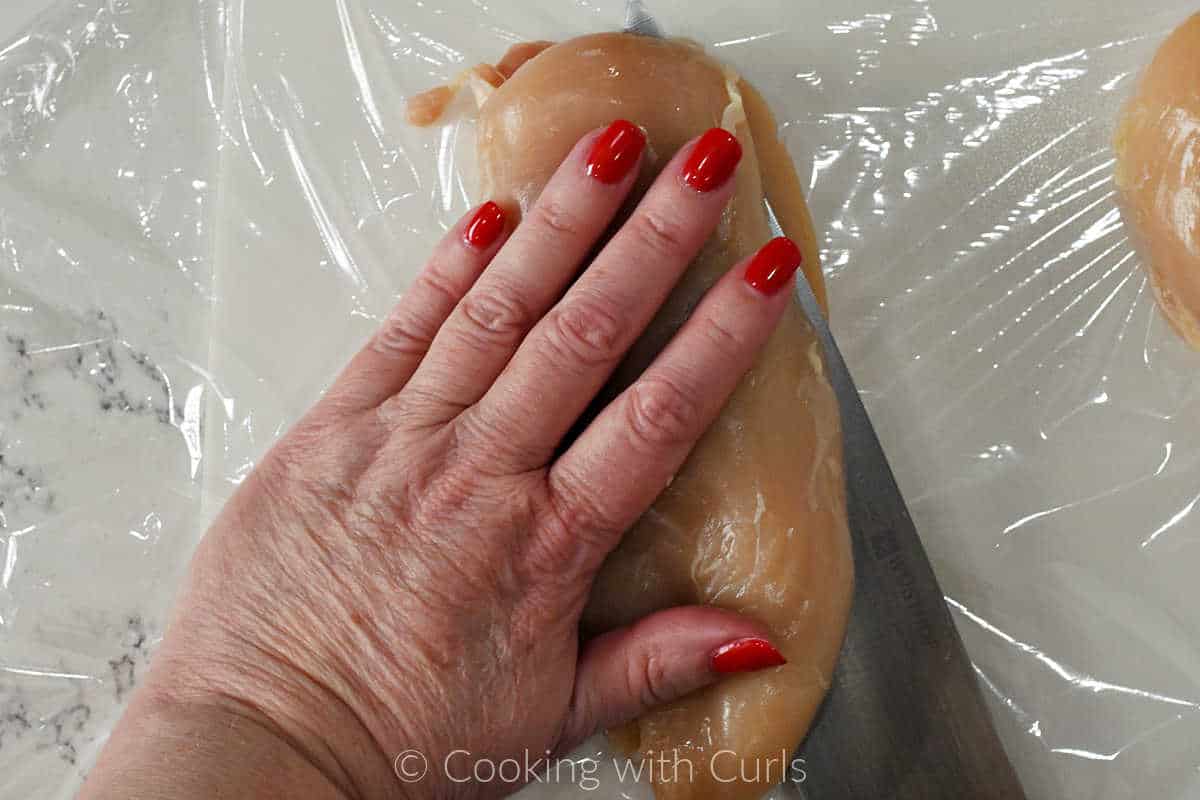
(213, 206)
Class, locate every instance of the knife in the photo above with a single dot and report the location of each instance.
(905, 718)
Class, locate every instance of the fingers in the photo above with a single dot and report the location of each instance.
(532, 269)
(565, 360)
(625, 673)
(389, 359)
(611, 474)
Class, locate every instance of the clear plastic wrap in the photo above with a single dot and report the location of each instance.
(205, 206)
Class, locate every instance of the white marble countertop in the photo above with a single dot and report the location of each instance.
(104, 299)
(206, 204)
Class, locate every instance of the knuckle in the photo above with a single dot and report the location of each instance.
(588, 331)
(659, 234)
(417, 406)
(578, 520)
(437, 285)
(580, 513)
(402, 334)
(553, 217)
(494, 443)
(648, 679)
(661, 413)
(728, 344)
(496, 315)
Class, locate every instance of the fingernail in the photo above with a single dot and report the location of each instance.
(486, 226)
(616, 151)
(746, 655)
(773, 265)
(713, 160)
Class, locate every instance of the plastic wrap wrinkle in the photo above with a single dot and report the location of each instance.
(206, 206)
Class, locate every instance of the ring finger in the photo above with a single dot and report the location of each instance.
(529, 273)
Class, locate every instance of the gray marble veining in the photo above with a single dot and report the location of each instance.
(106, 159)
(73, 646)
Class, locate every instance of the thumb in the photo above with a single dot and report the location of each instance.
(626, 672)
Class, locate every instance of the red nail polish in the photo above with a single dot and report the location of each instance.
(773, 265)
(746, 655)
(713, 160)
(616, 151)
(486, 226)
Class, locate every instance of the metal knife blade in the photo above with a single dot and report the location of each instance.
(639, 20)
(905, 718)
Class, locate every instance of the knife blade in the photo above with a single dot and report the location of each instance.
(638, 19)
(905, 718)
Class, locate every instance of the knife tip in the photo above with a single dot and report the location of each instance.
(638, 19)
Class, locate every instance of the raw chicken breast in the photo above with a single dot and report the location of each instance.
(1158, 175)
(755, 521)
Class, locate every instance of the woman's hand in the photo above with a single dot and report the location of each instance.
(406, 569)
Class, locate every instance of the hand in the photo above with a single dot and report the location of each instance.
(406, 569)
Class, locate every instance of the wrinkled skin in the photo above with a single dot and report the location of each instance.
(407, 568)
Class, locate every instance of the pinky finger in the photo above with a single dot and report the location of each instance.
(391, 356)
(616, 468)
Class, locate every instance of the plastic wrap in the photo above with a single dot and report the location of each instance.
(205, 206)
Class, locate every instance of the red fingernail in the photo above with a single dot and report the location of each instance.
(616, 151)
(486, 226)
(773, 265)
(746, 655)
(713, 160)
